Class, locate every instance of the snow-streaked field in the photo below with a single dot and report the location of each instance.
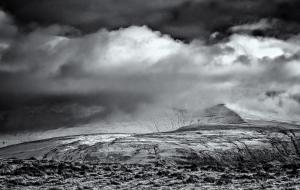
(135, 147)
(231, 156)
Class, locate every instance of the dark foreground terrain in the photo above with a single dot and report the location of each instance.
(195, 157)
(54, 175)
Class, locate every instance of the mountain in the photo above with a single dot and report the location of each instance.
(219, 114)
(175, 146)
(218, 120)
(224, 146)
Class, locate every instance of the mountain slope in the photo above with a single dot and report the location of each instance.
(219, 114)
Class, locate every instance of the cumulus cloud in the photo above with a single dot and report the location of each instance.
(135, 68)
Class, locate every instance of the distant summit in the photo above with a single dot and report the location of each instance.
(219, 114)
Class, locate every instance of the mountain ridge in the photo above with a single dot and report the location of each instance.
(219, 114)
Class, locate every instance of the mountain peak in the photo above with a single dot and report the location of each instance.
(220, 114)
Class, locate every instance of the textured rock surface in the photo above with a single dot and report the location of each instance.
(52, 175)
(134, 148)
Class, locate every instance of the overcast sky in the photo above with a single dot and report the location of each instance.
(102, 57)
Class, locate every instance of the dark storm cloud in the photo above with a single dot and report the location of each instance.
(91, 15)
(7, 28)
(185, 19)
(39, 112)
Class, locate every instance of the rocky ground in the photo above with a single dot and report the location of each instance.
(57, 175)
(194, 157)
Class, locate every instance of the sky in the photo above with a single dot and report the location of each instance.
(66, 63)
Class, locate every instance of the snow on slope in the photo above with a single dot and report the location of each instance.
(129, 148)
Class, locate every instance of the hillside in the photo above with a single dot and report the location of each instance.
(228, 155)
(218, 158)
(219, 114)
